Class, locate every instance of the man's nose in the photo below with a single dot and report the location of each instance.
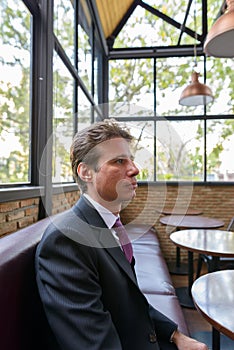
(133, 169)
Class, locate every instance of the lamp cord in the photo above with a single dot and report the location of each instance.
(195, 37)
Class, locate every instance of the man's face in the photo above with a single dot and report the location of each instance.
(115, 177)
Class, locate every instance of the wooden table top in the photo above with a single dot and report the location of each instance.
(213, 296)
(178, 211)
(206, 241)
(191, 221)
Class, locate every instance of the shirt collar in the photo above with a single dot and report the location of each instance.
(108, 217)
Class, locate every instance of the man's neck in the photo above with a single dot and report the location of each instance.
(113, 207)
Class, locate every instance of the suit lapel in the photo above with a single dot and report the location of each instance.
(108, 242)
(87, 212)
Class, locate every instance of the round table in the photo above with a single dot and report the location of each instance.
(191, 221)
(207, 241)
(178, 268)
(188, 221)
(178, 211)
(213, 295)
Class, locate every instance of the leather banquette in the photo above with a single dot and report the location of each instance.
(23, 325)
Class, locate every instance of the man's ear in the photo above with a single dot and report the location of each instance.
(84, 172)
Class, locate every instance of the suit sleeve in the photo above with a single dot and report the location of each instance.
(67, 279)
(163, 325)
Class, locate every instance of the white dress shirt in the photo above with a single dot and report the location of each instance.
(108, 217)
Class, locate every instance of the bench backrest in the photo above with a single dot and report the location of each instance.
(23, 324)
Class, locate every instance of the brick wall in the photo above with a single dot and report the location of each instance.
(22, 213)
(19, 214)
(64, 201)
(215, 201)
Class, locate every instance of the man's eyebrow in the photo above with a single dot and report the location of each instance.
(123, 156)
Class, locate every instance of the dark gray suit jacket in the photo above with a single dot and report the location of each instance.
(89, 290)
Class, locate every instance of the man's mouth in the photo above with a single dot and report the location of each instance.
(132, 185)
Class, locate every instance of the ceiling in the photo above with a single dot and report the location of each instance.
(111, 13)
(114, 14)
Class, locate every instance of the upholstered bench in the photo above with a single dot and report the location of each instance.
(152, 273)
(23, 325)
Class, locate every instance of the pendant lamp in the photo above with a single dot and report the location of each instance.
(196, 93)
(220, 39)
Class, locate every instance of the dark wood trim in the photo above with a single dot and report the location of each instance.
(25, 192)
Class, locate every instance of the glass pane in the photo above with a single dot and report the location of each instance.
(62, 121)
(143, 147)
(180, 150)
(84, 110)
(193, 21)
(220, 78)
(170, 9)
(220, 150)
(15, 49)
(84, 47)
(213, 8)
(173, 76)
(96, 73)
(131, 87)
(145, 29)
(64, 25)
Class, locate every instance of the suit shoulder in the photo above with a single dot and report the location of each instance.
(69, 226)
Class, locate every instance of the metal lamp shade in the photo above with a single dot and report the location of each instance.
(220, 39)
(196, 93)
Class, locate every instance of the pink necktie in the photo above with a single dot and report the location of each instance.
(123, 239)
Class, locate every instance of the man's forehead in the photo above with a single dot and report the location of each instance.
(118, 142)
(113, 148)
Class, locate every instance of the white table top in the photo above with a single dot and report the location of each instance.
(213, 296)
(206, 241)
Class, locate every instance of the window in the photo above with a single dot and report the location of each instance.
(143, 147)
(15, 66)
(190, 143)
(84, 110)
(220, 148)
(131, 87)
(64, 25)
(180, 150)
(143, 91)
(84, 46)
(63, 120)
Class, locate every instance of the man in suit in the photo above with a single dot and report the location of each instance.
(86, 282)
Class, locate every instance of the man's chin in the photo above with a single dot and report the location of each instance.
(127, 196)
(123, 196)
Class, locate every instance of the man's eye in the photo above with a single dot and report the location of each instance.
(120, 161)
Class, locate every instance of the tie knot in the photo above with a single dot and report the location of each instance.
(118, 223)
